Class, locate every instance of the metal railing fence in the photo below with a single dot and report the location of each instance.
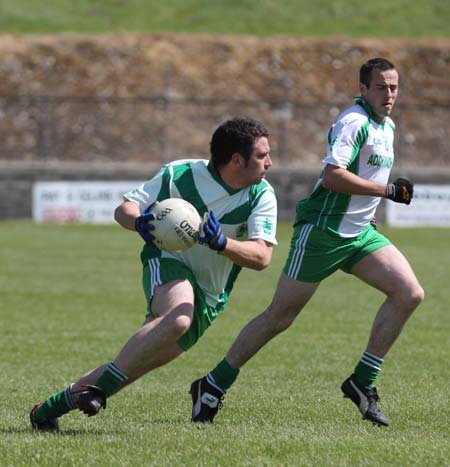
(162, 128)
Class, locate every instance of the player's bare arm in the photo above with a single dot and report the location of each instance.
(126, 214)
(342, 181)
(253, 254)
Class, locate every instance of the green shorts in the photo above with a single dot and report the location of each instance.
(315, 254)
(158, 271)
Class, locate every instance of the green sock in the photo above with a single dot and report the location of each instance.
(224, 375)
(56, 405)
(111, 380)
(367, 370)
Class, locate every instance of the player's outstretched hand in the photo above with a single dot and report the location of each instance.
(143, 225)
(213, 234)
(400, 190)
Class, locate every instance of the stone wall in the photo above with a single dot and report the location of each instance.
(140, 97)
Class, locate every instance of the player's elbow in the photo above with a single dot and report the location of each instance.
(328, 182)
(117, 214)
(262, 262)
(257, 256)
(120, 216)
(125, 214)
(332, 177)
(257, 266)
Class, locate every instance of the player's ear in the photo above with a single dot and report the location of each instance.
(362, 88)
(237, 159)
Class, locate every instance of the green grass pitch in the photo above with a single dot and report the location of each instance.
(71, 296)
(378, 18)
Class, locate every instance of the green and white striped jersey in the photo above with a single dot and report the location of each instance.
(246, 213)
(358, 143)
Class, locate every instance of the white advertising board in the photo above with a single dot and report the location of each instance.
(429, 207)
(86, 202)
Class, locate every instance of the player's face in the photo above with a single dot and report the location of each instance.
(382, 92)
(259, 162)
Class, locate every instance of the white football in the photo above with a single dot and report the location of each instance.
(177, 225)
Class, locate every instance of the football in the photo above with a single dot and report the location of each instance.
(177, 225)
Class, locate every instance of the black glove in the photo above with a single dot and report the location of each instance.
(400, 191)
(143, 226)
(214, 236)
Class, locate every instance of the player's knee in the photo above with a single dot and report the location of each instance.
(417, 296)
(281, 318)
(410, 295)
(180, 325)
(285, 323)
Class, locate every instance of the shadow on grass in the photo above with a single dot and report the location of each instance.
(13, 430)
(167, 421)
(63, 432)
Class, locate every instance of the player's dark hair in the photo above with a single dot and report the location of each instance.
(235, 135)
(365, 73)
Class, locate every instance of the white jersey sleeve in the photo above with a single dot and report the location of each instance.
(263, 219)
(147, 193)
(343, 142)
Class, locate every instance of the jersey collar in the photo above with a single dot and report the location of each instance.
(365, 105)
(215, 174)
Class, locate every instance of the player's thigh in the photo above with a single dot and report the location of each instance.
(175, 297)
(168, 287)
(172, 290)
(292, 295)
(387, 270)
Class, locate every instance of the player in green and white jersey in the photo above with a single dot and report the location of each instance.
(362, 145)
(332, 231)
(248, 212)
(186, 291)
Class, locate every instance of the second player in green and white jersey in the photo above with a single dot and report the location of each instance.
(359, 143)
